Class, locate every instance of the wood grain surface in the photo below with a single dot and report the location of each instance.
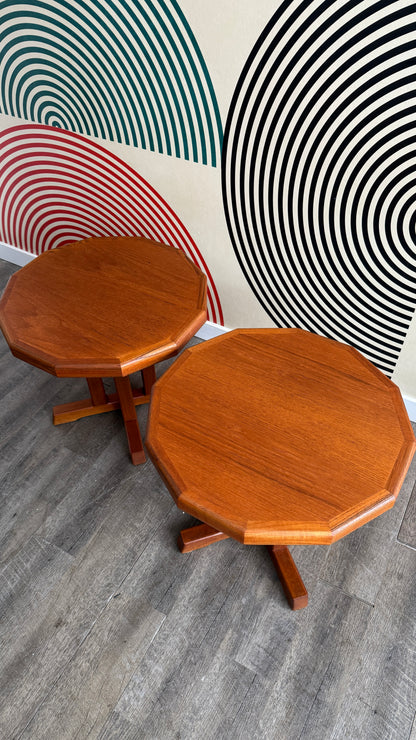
(279, 436)
(103, 307)
(195, 538)
(289, 577)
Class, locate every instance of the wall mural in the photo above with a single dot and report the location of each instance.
(122, 71)
(59, 187)
(318, 161)
(319, 167)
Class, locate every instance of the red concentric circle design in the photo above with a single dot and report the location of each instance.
(59, 187)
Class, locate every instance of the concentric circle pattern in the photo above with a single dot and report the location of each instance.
(130, 72)
(319, 164)
(58, 187)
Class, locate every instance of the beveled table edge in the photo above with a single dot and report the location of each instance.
(289, 535)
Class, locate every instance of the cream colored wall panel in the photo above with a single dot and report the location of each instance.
(404, 374)
(194, 193)
(226, 33)
(7, 121)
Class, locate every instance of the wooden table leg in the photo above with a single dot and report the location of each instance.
(203, 535)
(128, 409)
(97, 391)
(289, 576)
(148, 377)
(199, 536)
(98, 403)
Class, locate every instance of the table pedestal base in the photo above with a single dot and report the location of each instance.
(126, 398)
(203, 535)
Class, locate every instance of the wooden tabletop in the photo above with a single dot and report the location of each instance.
(279, 436)
(103, 307)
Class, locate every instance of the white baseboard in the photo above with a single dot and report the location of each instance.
(15, 255)
(210, 330)
(410, 404)
(207, 331)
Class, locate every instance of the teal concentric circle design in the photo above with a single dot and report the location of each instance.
(130, 72)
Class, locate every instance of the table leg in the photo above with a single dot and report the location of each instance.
(289, 576)
(203, 535)
(128, 409)
(98, 403)
(101, 402)
(199, 536)
(148, 377)
(97, 391)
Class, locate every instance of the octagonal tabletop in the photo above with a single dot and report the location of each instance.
(279, 436)
(103, 307)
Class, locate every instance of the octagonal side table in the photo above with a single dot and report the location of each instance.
(278, 437)
(104, 307)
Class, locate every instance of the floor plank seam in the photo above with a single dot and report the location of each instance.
(413, 727)
(146, 546)
(242, 702)
(405, 544)
(109, 493)
(346, 593)
(316, 696)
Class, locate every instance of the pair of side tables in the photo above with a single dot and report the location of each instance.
(272, 437)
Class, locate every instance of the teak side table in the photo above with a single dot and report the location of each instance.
(104, 307)
(278, 437)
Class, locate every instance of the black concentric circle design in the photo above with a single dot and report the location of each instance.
(319, 171)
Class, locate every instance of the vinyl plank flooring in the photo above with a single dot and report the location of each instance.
(158, 701)
(13, 372)
(34, 494)
(79, 703)
(107, 631)
(7, 269)
(291, 661)
(95, 493)
(237, 630)
(68, 614)
(32, 484)
(118, 728)
(357, 563)
(26, 585)
(30, 497)
(378, 697)
(177, 584)
(196, 695)
(23, 404)
(407, 532)
(219, 689)
(32, 572)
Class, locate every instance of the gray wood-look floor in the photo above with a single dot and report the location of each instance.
(107, 631)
